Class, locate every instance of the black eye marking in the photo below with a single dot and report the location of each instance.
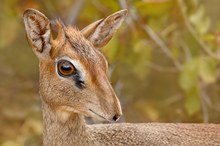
(78, 81)
(67, 70)
(80, 84)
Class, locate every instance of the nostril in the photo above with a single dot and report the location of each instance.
(116, 117)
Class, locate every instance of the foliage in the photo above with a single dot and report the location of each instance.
(164, 62)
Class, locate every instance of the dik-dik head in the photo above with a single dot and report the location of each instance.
(73, 72)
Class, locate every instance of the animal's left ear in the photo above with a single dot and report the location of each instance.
(100, 32)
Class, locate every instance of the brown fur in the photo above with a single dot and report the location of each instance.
(64, 105)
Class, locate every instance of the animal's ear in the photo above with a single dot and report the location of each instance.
(38, 32)
(100, 32)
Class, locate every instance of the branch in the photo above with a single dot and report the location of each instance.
(123, 4)
(206, 98)
(205, 112)
(190, 28)
(153, 36)
(160, 68)
(173, 99)
(75, 11)
(186, 50)
(162, 46)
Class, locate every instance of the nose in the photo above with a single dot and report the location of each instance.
(116, 117)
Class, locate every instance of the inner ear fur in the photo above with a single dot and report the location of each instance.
(38, 32)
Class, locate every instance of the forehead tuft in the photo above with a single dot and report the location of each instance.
(78, 45)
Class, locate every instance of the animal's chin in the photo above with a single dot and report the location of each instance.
(66, 111)
(95, 115)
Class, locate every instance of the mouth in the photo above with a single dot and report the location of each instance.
(100, 116)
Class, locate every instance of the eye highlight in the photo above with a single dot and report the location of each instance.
(65, 68)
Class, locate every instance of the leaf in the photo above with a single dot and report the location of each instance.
(192, 102)
(189, 75)
(203, 67)
(207, 69)
(199, 20)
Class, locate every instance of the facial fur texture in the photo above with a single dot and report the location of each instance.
(94, 65)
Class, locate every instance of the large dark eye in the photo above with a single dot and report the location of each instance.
(65, 68)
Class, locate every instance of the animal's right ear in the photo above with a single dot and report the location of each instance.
(38, 32)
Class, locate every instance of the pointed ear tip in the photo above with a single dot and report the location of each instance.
(124, 12)
(31, 11)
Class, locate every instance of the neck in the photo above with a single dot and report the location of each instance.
(57, 133)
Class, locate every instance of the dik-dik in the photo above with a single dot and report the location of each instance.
(74, 84)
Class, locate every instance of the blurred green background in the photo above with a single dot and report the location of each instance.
(164, 61)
